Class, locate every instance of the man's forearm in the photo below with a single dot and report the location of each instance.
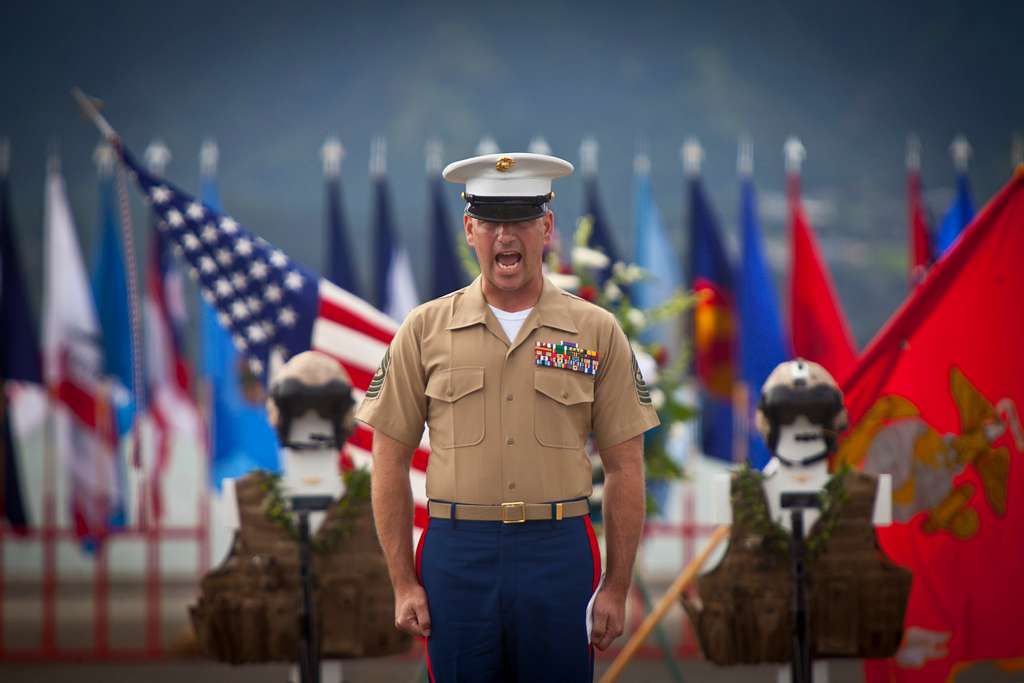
(393, 507)
(624, 506)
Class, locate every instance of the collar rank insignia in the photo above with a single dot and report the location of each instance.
(566, 355)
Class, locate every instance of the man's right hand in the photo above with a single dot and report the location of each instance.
(411, 612)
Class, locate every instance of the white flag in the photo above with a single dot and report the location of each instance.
(401, 285)
(84, 431)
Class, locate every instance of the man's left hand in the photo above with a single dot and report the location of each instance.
(609, 618)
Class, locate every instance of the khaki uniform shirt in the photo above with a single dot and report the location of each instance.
(502, 428)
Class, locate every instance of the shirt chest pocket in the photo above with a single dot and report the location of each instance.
(456, 411)
(562, 407)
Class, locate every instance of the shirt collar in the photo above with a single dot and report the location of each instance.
(551, 310)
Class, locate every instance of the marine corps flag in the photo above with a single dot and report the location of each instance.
(935, 401)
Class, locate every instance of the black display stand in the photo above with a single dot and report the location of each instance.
(796, 503)
(309, 640)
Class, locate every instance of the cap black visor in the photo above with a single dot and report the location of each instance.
(506, 209)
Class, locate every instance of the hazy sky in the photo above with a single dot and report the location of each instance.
(270, 80)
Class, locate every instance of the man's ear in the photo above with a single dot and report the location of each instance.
(467, 226)
(549, 227)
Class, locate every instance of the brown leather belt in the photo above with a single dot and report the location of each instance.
(509, 513)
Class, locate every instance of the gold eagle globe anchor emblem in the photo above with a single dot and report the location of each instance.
(894, 438)
(504, 164)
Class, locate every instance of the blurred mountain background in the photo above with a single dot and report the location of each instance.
(269, 81)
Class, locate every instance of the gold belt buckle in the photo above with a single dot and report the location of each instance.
(505, 512)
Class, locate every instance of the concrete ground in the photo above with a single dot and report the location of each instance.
(22, 626)
(386, 670)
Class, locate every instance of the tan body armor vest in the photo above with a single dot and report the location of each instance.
(856, 596)
(248, 609)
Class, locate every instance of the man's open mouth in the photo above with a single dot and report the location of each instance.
(508, 261)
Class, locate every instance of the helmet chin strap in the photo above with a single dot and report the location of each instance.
(802, 462)
(316, 442)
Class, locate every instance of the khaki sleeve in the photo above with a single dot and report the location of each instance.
(622, 401)
(395, 402)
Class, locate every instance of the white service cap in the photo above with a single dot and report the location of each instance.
(507, 187)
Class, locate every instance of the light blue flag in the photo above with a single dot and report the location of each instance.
(655, 253)
(241, 438)
(958, 216)
(110, 293)
(762, 341)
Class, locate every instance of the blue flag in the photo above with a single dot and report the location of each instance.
(339, 266)
(383, 243)
(762, 342)
(19, 353)
(110, 292)
(241, 438)
(602, 236)
(394, 288)
(447, 272)
(958, 216)
(714, 329)
(655, 254)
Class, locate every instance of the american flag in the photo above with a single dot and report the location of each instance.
(270, 304)
(168, 378)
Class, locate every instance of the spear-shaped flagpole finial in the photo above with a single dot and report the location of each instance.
(157, 156)
(588, 157)
(378, 157)
(434, 152)
(960, 150)
(795, 153)
(487, 145)
(538, 145)
(692, 155)
(641, 161)
(5, 157)
(332, 152)
(103, 157)
(90, 107)
(209, 158)
(913, 153)
(745, 157)
(1017, 150)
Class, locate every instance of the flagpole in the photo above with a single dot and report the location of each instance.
(90, 107)
(209, 159)
(48, 636)
(740, 390)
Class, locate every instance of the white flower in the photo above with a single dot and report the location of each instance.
(657, 398)
(563, 281)
(612, 291)
(627, 274)
(584, 257)
(648, 366)
(636, 318)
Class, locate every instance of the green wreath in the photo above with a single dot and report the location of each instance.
(347, 510)
(751, 511)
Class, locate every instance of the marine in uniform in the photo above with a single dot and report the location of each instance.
(512, 376)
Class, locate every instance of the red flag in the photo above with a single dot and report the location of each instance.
(920, 237)
(935, 401)
(817, 325)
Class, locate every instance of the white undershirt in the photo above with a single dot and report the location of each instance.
(510, 321)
